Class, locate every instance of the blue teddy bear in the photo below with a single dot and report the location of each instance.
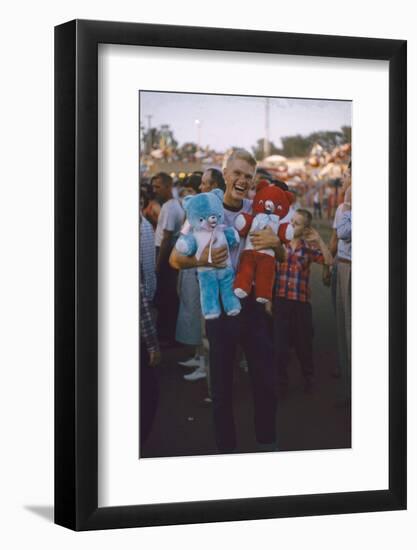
(205, 216)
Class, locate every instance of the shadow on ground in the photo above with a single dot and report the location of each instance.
(45, 512)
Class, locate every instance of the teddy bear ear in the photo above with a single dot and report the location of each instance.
(290, 196)
(219, 193)
(261, 185)
(186, 201)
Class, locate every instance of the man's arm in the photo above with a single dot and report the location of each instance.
(218, 256)
(266, 238)
(344, 227)
(164, 249)
(333, 243)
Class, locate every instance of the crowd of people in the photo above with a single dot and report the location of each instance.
(259, 338)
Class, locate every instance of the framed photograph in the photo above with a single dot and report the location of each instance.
(229, 345)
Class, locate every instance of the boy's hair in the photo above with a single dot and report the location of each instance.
(281, 184)
(240, 154)
(264, 173)
(193, 181)
(308, 218)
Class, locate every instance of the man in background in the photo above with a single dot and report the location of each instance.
(169, 225)
(212, 179)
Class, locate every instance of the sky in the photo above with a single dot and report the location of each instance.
(227, 121)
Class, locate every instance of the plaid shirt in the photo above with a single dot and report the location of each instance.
(292, 279)
(147, 257)
(147, 327)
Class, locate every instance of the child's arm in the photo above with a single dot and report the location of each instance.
(312, 236)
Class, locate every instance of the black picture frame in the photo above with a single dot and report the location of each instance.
(76, 272)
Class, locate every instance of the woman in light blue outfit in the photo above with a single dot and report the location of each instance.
(189, 316)
(189, 324)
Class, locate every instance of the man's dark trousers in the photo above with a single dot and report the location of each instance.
(166, 302)
(250, 330)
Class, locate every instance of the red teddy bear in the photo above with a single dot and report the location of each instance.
(270, 206)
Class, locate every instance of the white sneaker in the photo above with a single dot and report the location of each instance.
(196, 375)
(192, 363)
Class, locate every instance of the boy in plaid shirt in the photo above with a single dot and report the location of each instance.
(293, 320)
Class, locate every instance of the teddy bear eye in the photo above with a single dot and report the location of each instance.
(279, 207)
(201, 219)
(261, 202)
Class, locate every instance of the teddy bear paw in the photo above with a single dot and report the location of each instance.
(209, 316)
(262, 300)
(182, 246)
(240, 293)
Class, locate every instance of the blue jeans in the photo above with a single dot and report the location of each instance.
(250, 330)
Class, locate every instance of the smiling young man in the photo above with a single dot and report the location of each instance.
(249, 329)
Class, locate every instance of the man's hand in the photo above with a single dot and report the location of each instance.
(218, 257)
(265, 238)
(154, 358)
(326, 275)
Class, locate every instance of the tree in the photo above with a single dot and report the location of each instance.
(159, 138)
(296, 146)
(187, 149)
(300, 146)
(347, 134)
(258, 149)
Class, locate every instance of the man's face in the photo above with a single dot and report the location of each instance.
(161, 190)
(238, 175)
(206, 183)
(298, 224)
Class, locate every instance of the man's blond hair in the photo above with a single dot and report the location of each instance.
(240, 154)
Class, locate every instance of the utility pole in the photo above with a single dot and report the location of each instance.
(149, 140)
(267, 143)
(198, 124)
